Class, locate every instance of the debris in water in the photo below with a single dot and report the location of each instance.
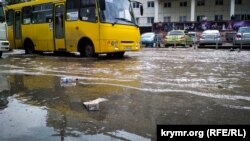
(3, 102)
(94, 104)
(68, 81)
(220, 87)
(232, 49)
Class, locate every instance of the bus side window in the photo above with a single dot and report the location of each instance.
(72, 10)
(42, 13)
(87, 11)
(10, 17)
(27, 13)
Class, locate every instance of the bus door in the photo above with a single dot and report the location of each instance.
(17, 30)
(59, 32)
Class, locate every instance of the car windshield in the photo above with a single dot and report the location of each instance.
(175, 33)
(244, 30)
(2, 18)
(211, 32)
(118, 12)
(191, 34)
(147, 35)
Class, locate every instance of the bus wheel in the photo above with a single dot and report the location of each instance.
(29, 47)
(1, 54)
(89, 51)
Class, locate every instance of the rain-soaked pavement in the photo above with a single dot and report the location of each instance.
(146, 88)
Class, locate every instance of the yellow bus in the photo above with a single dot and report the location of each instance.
(90, 27)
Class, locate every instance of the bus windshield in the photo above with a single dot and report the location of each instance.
(2, 17)
(118, 12)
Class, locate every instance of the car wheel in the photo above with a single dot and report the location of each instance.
(159, 45)
(184, 45)
(1, 53)
(200, 45)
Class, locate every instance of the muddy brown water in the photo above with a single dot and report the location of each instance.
(146, 88)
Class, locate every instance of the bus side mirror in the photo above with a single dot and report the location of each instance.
(141, 9)
(102, 5)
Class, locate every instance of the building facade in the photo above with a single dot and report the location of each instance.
(191, 10)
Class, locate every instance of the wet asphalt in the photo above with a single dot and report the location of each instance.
(42, 95)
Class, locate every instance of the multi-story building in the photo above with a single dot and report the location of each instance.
(191, 10)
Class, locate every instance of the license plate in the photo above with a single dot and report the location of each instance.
(127, 48)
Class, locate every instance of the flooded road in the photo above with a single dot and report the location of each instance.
(146, 88)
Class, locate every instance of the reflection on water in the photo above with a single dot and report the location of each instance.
(20, 120)
(148, 88)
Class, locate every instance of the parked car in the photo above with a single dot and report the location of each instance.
(178, 37)
(150, 39)
(210, 37)
(193, 35)
(4, 47)
(242, 36)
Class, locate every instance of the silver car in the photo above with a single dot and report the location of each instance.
(242, 36)
(210, 37)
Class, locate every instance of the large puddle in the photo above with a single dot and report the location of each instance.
(43, 95)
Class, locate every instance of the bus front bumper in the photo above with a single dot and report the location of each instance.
(120, 46)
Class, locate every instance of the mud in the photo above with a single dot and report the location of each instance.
(146, 88)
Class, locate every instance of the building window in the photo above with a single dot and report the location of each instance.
(238, 2)
(237, 17)
(151, 4)
(167, 19)
(183, 18)
(218, 2)
(242, 17)
(138, 20)
(201, 3)
(247, 17)
(218, 17)
(150, 20)
(183, 4)
(167, 4)
(136, 5)
(200, 18)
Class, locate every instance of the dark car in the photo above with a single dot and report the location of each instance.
(150, 39)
